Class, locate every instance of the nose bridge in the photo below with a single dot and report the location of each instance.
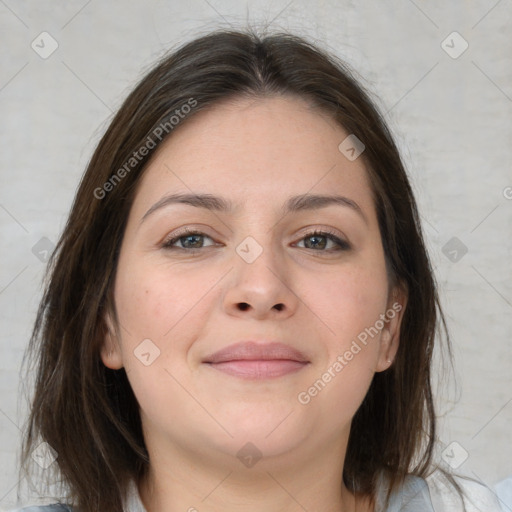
(260, 248)
(259, 281)
(260, 262)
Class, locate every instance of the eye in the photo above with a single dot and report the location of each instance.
(320, 241)
(323, 241)
(188, 240)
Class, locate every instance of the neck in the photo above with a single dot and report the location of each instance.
(180, 482)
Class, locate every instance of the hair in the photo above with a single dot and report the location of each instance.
(87, 412)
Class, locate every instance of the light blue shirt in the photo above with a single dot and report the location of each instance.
(415, 495)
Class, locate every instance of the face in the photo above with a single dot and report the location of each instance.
(251, 227)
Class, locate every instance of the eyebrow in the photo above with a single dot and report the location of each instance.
(219, 204)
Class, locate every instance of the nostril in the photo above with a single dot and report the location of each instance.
(243, 306)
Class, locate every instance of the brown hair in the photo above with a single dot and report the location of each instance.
(87, 412)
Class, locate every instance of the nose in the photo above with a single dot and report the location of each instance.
(261, 289)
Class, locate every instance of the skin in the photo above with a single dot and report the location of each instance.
(256, 153)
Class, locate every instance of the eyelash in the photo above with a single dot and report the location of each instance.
(342, 244)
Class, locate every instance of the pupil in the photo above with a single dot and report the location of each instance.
(318, 241)
(194, 239)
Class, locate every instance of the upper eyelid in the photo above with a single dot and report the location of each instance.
(202, 230)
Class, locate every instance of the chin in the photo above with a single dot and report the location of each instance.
(273, 435)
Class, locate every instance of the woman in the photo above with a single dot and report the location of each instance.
(241, 311)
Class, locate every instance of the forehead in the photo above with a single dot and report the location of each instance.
(267, 147)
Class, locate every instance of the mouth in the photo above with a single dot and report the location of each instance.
(258, 369)
(252, 360)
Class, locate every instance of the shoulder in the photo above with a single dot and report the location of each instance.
(446, 498)
(58, 507)
(436, 493)
(504, 492)
(412, 496)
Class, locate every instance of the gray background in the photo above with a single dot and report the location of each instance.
(451, 116)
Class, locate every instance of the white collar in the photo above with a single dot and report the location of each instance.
(133, 503)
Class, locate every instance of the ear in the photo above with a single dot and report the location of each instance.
(390, 335)
(110, 351)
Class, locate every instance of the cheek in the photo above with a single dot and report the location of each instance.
(349, 301)
(159, 310)
(150, 298)
(163, 304)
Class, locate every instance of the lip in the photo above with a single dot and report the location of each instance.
(257, 360)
